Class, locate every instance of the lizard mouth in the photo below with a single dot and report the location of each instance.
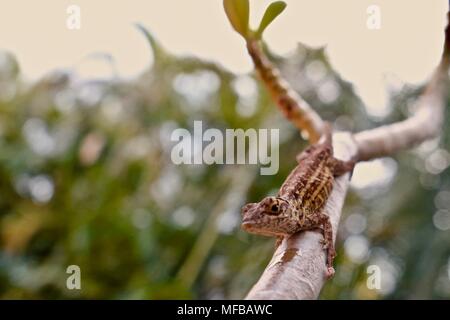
(247, 226)
(250, 227)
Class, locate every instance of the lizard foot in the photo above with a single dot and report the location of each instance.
(330, 257)
(330, 272)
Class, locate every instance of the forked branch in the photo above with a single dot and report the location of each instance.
(297, 269)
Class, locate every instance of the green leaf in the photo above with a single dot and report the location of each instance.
(272, 11)
(238, 13)
(158, 52)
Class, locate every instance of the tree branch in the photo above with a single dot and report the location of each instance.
(294, 108)
(297, 269)
(424, 124)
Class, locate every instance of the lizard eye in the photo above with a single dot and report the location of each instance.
(274, 210)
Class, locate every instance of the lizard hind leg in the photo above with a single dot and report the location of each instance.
(306, 153)
(341, 167)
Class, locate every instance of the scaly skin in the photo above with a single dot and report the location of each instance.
(300, 202)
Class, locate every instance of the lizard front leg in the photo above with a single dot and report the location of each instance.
(278, 241)
(328, 244)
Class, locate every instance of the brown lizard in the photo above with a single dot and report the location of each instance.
(301, 199)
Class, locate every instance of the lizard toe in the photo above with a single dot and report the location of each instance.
(324, 244)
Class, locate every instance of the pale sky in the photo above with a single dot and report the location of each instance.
(405, 49)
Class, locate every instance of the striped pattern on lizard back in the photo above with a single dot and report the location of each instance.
(308, 186)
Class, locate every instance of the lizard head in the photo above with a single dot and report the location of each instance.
(271, 217)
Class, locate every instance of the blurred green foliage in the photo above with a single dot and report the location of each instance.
(86, 179)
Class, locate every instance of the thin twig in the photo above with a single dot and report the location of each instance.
(294, 108)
